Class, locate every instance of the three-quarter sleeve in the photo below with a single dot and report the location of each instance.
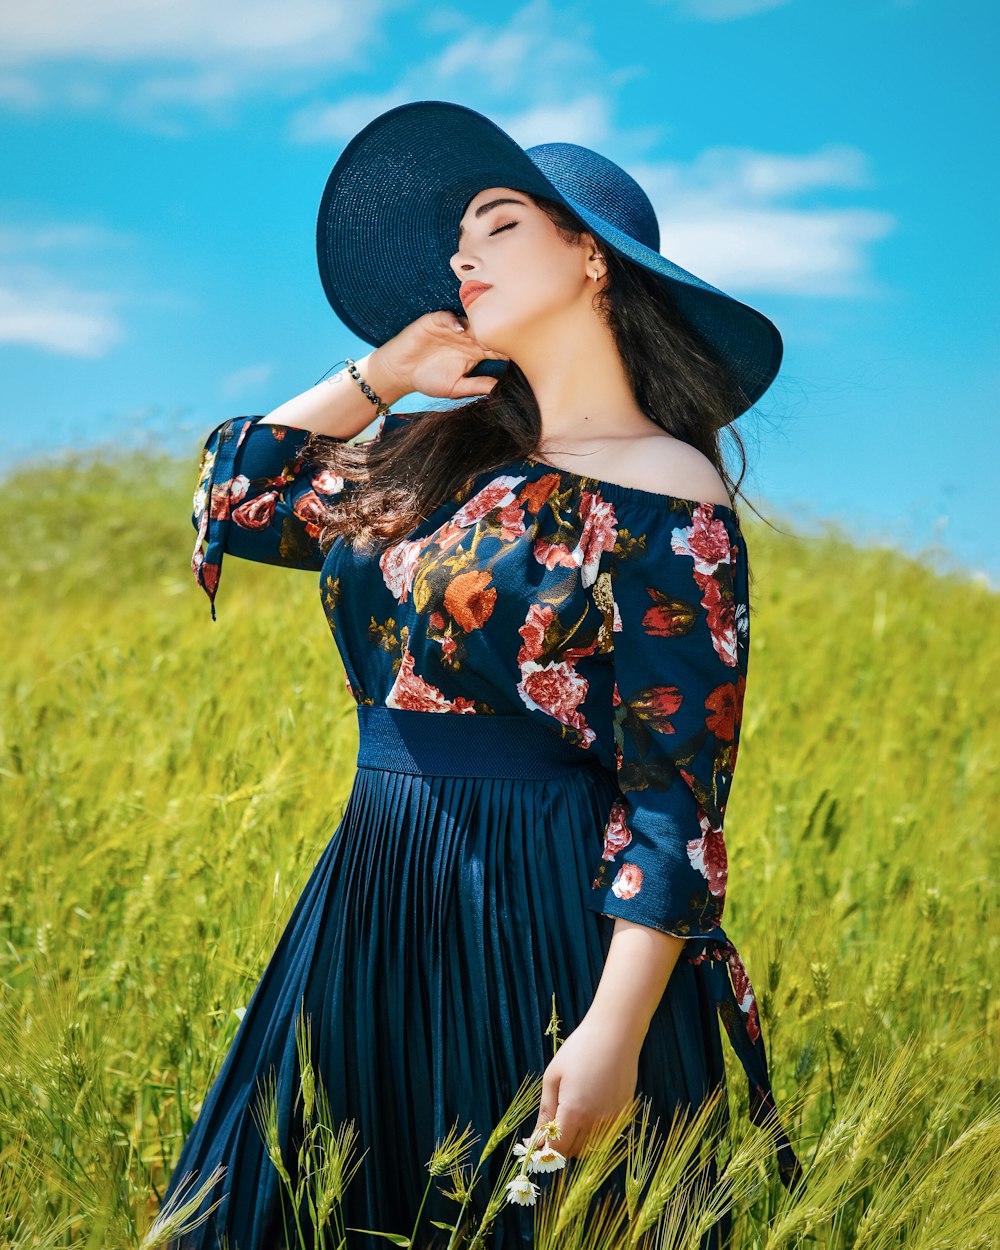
(259, 498)
(681, 637)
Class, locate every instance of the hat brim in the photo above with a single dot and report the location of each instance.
(388, 219)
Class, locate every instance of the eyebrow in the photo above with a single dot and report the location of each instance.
(485, 208)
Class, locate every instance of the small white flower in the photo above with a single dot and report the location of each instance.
(542, 1155)
(547, 1159)
(522, 1191)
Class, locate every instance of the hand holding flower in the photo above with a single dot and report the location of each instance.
(590, 1080)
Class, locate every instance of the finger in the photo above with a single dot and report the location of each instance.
(568, 1143)
(547, 1106)
(475, 386)
(444, 317)
(474, 345)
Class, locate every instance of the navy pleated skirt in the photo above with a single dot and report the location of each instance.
(447, 909)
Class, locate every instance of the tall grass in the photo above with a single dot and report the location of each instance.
(166, 785)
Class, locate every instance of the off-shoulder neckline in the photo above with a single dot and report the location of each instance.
(617, 492)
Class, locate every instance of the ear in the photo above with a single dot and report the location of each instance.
(594, 254)
(592, 248)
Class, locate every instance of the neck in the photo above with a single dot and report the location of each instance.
(579, 382)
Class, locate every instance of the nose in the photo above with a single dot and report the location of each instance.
(461, 263)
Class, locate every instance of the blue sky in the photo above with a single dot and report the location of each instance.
(833, 164)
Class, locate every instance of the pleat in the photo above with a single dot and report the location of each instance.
(439, 922)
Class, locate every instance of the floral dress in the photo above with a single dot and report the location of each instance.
(582, 648)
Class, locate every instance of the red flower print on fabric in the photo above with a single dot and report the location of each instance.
(327, 482)
(470, 599)
(226, 496)
(555, 688)
(721, 620)
(309, 508)
(725, 703)
(535, 494)
(616, 834)
(511, 522)
(257, 513)
(656, 705)
(411, 691)
(744, 992)
(705, 540)
(209, 575)
(628, 881)
(496, 494)
(399, 566)
(708, 855)
(598, 534)
(670, 617)
(553, 555)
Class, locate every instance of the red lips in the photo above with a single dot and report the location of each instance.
(469, 291)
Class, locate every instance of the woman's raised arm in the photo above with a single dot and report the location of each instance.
(337, 406)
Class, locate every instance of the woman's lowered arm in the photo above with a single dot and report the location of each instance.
(639, 964)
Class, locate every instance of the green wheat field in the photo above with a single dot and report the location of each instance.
(166, 785)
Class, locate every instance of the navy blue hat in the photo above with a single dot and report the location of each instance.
(393, 201)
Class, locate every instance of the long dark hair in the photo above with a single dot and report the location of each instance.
(676, 380)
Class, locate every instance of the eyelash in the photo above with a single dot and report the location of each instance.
(506, 226)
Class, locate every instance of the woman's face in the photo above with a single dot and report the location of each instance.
(507, 242)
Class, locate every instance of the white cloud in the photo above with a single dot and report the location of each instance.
(296, 32)
(726, 10)
(134, 57)
(42, 305)
(722, 218)
(326, 123)
(528, 52)
(17, 91)
(240, 381)
(758, 175)
(529, 57)
(584, 120)
(38, 310)
(18, 241)
(817, 253)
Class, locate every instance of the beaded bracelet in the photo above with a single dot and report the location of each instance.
(381, 409)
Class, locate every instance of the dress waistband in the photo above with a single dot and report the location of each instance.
(464, 744)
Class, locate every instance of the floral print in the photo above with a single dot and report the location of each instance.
(617, 617)
(607, 612)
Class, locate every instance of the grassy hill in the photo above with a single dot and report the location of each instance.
(167, 783)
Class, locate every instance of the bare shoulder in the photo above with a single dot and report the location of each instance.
(669, 466)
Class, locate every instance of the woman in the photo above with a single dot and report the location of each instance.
(540, 596)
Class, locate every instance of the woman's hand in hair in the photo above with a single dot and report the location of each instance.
(433, 354)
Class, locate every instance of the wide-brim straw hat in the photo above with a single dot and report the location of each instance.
(391, 207)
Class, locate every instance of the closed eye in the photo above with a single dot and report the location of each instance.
(506, 226)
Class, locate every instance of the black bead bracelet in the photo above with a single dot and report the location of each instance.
(381, 408)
